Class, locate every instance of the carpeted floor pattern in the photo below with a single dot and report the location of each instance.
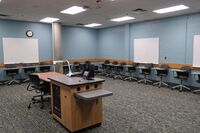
(134, 108)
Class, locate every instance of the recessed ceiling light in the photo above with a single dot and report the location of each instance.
(49, 20)
(125, 18)
(73, 10)
(171, 9)
(93, 25)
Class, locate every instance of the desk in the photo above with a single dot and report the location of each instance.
(158, 68)
(73, 112)
(46, 75)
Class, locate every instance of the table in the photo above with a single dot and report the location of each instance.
(75, 102)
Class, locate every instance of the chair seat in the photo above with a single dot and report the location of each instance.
(162, 74)
(182, 77)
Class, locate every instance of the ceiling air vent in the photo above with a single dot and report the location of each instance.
(139, 10)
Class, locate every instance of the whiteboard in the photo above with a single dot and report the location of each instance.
(196, 51)
(146, 50)
(20, 50)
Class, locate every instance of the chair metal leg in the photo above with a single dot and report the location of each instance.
(26, 80)
(130, 78)
(196, 91)
(145, 80)
(160, 84)
(181, 87)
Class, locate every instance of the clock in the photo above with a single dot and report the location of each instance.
(29, 33)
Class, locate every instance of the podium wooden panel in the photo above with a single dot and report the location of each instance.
(77, 114)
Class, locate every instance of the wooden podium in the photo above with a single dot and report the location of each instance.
(72, 106)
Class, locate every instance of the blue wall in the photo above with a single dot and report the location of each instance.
(114, 42)
(79, 43)
(17, 29)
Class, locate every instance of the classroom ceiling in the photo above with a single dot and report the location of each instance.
(99, 11)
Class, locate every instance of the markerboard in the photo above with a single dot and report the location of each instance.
(196, 51)
(146, 50)
(20, 50)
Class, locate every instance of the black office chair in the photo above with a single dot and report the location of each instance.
(45, 68)
(145, 72)
(27, 72)
(182, 76)
(39, 87)
(131, 69)
(119, 74)
(161, 72)
(12, 73)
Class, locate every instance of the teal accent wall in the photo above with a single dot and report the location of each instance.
(79, 43)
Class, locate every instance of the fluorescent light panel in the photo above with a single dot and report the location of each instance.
(125, 18)
(73, 10)
(93, 25)
(49, 20)
(171, 9)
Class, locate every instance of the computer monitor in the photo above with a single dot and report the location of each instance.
(89, 73)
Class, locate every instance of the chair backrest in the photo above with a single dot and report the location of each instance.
(106, 62)
(164, 66)
(184, 74)
(187, 68)
(115, 63)
(149, 65)
(12, 71)
(29, 70)
(123, 64)
(45, 68)
(87, 62)
(34, 79)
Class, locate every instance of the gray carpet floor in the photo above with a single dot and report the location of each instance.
(134, 108)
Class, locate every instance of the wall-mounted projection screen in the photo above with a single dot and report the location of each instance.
(20, 50)
(196, 51)
(146, 50)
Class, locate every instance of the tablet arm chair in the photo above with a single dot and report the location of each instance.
(39, 87)
(162, 72)
(107, 68)
(146, 71)
(182, 76)
(198, 81)
(113, 69)
(120, 71)
(12, 73)
(131, 70)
